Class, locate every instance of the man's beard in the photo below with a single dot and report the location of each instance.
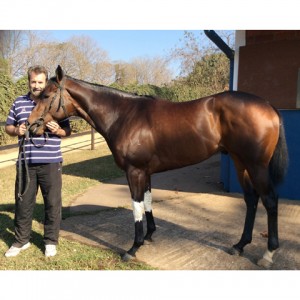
(36, 92)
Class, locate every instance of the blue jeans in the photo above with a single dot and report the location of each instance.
(48, 178)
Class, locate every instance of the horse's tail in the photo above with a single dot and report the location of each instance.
(280, 159)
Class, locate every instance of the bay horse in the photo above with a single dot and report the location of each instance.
(148, 135)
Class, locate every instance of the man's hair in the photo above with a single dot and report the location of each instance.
(37, 70)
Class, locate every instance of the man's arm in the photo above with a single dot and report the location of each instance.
(59, 131)
(15, 130)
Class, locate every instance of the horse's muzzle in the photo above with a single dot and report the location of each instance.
(35, 126)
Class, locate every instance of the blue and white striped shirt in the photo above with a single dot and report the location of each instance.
(42, 150)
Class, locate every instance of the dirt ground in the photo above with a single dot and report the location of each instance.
(197, 223)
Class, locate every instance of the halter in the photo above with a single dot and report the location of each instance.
(61, 103)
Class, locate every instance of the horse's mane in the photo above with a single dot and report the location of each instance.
(103, 88)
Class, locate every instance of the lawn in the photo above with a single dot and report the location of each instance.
(81, 170)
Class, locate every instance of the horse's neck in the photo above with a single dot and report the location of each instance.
(97, 107)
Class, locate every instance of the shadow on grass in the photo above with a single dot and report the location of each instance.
(102, 168)
(7, 224)
(203, 177)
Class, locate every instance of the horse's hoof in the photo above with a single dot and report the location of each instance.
(266, 261)
(234, 251)
(266, 264)
(148, 241)
(127, 257)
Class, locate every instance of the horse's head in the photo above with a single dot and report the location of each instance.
(52, 105)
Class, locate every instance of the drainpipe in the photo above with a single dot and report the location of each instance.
(214, 37)
(226, 166)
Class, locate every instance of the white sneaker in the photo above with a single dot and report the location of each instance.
(50, 250)
(14, 251)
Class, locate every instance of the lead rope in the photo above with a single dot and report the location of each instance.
(22, 149)
(20, 168)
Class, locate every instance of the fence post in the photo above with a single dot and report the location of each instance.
(92, 138)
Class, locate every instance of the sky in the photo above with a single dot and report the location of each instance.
(125, 45)
(128, 44)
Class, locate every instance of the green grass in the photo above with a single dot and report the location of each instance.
(81, 170)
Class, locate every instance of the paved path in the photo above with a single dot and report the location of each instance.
(196, 222)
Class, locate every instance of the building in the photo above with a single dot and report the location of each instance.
(267, 64)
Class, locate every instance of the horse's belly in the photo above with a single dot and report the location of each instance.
(174, 160)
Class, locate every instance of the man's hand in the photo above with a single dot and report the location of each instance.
(20, 130)
(15, 130)
(53, 127)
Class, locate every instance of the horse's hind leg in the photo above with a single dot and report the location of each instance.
(270, 202)
(251, 198)
(262, 182)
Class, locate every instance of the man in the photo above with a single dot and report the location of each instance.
(44, 159)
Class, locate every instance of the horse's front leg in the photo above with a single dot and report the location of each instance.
(137, 181)
(148, 211)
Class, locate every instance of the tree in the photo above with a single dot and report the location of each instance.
(4, 67)
(192, 48)
(8, 92)
(204, 68)
(143, 71)
(124, 74)
(153, 71)
(188, 52)
(6, 95)
(90, 62)
(211, 72)
(11, 41)
(79, 56)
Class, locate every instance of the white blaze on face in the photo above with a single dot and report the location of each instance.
(138, 210)
(148, 201)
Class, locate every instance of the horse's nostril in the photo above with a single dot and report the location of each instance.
(32, 128)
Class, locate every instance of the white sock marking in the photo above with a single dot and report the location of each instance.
(148, 201)
(138, 210)
(269, 255)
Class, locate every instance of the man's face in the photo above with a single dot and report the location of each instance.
(37, 84)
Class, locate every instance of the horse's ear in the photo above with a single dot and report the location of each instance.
(59, 74)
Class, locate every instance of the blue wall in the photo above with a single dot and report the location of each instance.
(290, 188)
